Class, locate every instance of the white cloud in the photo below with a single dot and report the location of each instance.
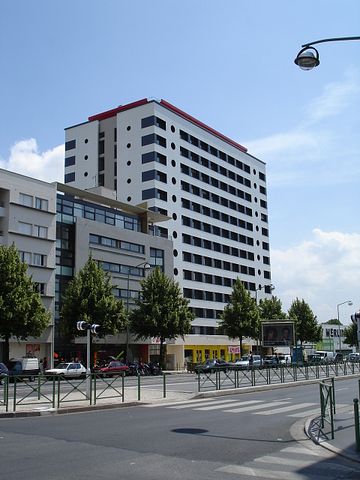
(335, 98)
(324, 270)
(26, 159)
(322, 140)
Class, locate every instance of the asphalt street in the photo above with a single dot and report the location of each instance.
(254, 435)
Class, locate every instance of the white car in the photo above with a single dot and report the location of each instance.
(70, 369)
(243, 363)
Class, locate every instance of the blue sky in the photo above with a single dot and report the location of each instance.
(230, 64)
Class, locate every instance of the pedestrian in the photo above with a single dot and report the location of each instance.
(45, 364)
(251, 360)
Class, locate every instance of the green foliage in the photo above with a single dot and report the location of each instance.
(22, 313)
(161, 311)
(89, 297)
(306, 326)
(240, 317)
(350, 334)
(333, 321)
(271, 309)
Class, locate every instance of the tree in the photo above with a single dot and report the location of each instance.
(306, 326)
(271, 309)
(350, 334)
(240, 317)
(22, 313)
(161, 311)
(89, 297)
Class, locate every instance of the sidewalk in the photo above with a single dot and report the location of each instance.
(344, 443)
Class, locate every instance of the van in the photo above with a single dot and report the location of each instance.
(28, 367)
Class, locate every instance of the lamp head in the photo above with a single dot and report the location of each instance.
(307, 58)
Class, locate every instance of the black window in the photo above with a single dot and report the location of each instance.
(69, 161)
(70, 144)
(148, 121)
(70, 177)
(101, 147)
(148, 139)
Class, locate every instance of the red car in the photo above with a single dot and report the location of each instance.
(114, 368)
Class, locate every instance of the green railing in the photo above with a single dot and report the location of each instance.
(56, 391)
(327, 403)
(235, 377)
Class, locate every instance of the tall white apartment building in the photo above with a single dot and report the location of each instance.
(156, 156)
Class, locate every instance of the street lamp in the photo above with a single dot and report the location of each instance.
(146, 266)
(308, 57)
(348, 302)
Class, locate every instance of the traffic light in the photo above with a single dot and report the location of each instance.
(82, 325)
(94, 328)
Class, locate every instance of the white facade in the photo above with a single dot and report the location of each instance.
(157, 156)
(28, 219)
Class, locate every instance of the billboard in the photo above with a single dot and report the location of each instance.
(277, 334)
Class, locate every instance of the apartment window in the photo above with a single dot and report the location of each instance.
(41, 203)
(154, 193)
(25, 257)
(39, 260)
(152, 120)
(39, 231)
(101, 164)
(70, 145)
(26, 200)
(153, 138)
(25, 228)
(154, 175)
(157, 257)
(153, 157)
(70, 177)
(101, 180)
(69, 161)
(40, 287)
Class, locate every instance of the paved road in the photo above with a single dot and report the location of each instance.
(237, 437)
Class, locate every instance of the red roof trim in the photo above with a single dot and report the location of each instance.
(202, 125)
(114, 111)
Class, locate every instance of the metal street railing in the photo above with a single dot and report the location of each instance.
(327, 403)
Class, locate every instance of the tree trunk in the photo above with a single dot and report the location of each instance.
(240, 341)
(6, 349)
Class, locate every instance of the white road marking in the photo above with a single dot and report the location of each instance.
(218, 407)
(256, 407)
(296, 406)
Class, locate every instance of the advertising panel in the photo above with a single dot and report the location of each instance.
(277, 334)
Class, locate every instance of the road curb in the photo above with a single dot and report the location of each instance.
(327, 445)
(61, 411)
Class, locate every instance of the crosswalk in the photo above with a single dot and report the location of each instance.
(285, 406)
(293, 463)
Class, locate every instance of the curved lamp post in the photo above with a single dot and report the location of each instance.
(308, 57)
(347, 302)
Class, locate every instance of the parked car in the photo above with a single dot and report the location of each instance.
(4, 372)
(244, 362)
(271, 361)
(353, 357)
(211, 366)
(68, 370)
(23, 367)
(115, 367)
